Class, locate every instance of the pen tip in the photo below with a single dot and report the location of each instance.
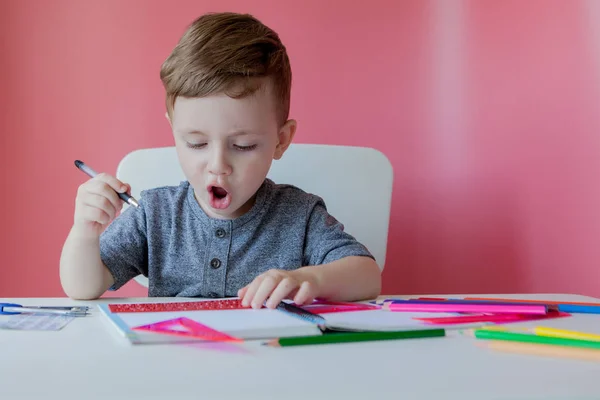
(78, 163)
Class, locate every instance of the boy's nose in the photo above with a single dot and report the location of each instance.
(219, 164)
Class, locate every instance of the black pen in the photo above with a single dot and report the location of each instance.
(91, 173)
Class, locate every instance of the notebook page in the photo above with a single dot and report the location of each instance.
(380, 320)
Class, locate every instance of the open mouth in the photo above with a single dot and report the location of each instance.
(219, 197)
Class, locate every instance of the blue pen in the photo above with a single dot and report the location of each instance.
(13, 309)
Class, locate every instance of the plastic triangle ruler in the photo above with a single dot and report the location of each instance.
(188, 328)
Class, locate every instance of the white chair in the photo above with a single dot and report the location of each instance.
(355, 182)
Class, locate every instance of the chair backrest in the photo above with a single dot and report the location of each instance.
(355, 182)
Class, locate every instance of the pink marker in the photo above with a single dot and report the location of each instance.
(467, 308)
(325, 307)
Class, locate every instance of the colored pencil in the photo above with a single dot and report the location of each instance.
(552, 302)
(563, 333)
(578, 309)
(544, 350)
(496, 318)
(348, 337)
(498, 334)
(470, 308)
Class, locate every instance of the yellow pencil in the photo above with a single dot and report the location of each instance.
(563, 333)
(544, 350)
(548, 332)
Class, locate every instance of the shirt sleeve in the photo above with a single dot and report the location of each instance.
(124, 248)
(326, 240)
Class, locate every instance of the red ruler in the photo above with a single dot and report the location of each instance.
(319, 307)
(228, 304)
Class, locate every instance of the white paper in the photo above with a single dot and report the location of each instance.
(36, 322)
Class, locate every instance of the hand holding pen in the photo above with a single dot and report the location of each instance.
(99, 200)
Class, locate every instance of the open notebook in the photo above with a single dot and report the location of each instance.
(244, 324)
(250, 324)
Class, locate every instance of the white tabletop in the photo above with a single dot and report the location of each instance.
(86, 361)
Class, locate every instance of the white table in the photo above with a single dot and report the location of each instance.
(86, 361)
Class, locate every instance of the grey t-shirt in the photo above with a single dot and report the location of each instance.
(184, 252)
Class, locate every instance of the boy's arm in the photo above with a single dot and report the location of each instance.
(101, 250)
(342, 268)
(338, 268)
(83, 275)
(352, 278)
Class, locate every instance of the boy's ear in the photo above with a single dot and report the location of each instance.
(285, 136)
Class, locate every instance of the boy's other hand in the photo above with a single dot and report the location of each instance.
(275, 285)
(97, 204)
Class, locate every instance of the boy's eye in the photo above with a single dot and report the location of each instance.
(245, 148)
(195, 145)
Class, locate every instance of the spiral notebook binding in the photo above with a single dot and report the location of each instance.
(301, 313)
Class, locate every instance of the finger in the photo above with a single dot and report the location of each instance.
(102, 203)
(293, 293)
(112, 182)
(92, 214)
(242, 292)
(268, 284)
(251, 290)
(282, 290)
(305, 294)
(103, 189)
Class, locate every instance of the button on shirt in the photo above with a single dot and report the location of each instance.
(184, 252)
(220, 233)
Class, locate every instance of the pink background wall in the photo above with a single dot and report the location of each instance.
(487, 110)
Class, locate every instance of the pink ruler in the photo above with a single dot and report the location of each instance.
(188, 328)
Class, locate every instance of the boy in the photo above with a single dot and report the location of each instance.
(227, 230)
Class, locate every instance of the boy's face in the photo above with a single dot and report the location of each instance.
(225, 147)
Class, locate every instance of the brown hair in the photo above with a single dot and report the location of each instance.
(228, 53)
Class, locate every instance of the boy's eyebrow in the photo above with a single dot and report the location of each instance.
(242, 132)
(232, 134)
(192, 132)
